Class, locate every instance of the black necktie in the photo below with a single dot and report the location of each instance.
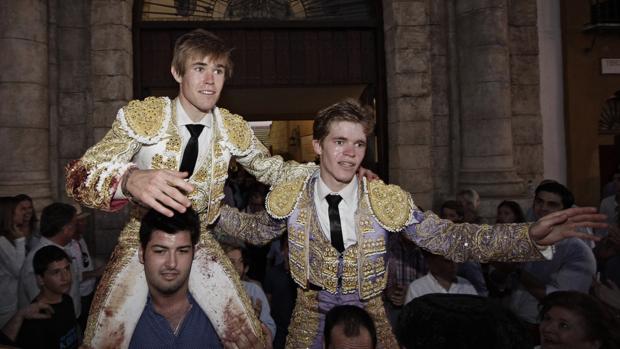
(191, 149)
(335, 229)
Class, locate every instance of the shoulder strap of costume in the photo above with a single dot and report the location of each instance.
(237, 132)
(284, 197)
(390, 205)
(146, 120)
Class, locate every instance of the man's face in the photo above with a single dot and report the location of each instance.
(167, 261)
(23, 212)
(340, 341)
(201, 85)
(57, 277)
(442, 267)
(341, 152)
(69, 231)
(451, 215)
(563, 329)
(236, 258)
(505, 215)
(546, 203)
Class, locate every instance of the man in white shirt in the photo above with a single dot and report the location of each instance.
(58, 224)
(441, 278)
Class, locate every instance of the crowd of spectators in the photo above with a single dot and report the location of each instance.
(48, 278)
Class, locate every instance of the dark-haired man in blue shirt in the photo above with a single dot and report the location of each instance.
(171, 317)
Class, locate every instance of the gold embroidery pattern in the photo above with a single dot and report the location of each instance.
(371, 264)
(145, 117)
(256, 228)
(92, 180)
(305, 320)
(298, 255)
(238, 131)
(385, 336)
(461, 242)
(124, 250)
(391, 205)
(160, 163)
(283, 198)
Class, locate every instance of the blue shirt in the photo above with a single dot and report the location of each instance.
(153, 330)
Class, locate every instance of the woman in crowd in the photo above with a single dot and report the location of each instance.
(510, 212)
(12, 255)
(575, 320)
(26, 219)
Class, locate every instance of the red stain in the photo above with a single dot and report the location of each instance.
(116, 338)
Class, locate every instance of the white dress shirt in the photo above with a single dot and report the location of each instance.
(204, 140)
(346, 208)
(428, 284)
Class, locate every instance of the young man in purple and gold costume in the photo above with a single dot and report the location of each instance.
(167, 155)
(338, 227)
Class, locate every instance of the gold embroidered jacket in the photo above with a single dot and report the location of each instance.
(145, 134)
(382, 209)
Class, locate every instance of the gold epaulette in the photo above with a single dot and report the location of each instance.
(146, 120)
(390, 205)
(238, 131)
(283, 197)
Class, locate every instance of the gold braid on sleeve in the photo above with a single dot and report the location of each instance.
(270, 169)
(255, 228)
(93, 179)
(483, 243)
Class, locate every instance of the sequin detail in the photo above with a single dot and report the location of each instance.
(391, 205)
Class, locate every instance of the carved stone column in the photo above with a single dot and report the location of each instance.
(487, 162)
(24, 119)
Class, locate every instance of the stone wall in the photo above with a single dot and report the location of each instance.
(463, 106)
(525, 86)
(111, 55)
(24, 119)
(409, 89)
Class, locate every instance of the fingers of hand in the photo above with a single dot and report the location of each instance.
(593, 217)
(577, 234)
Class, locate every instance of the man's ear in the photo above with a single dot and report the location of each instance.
(39, 280)
(141, 255)
(316, 145)
(176, 75)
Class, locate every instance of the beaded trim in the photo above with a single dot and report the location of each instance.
(147, 120)
(391, 206)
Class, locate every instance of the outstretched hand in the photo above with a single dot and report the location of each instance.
(161, 190)
(561, 225)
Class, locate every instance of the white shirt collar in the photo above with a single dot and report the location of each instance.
(348, 193)
(184, 119)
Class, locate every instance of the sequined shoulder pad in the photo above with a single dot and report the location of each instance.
(146, 120)
(237, 134)
(390, 205)
(283, 198)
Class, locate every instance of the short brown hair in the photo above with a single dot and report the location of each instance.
(346, 110)
(200, 43)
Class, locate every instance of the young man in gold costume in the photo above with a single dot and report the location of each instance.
(338, 227)
(167, 155)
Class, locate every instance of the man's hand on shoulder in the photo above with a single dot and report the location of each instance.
(162, 190)
(364, 172)
(561, 225)
(239, 335)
